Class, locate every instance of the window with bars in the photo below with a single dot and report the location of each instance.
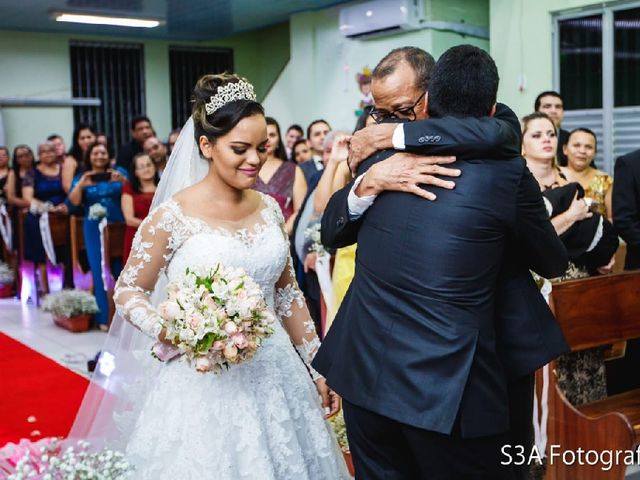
(113, 72)
(186, 65)
(597, 69)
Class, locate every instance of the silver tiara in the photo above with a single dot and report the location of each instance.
(230, 92)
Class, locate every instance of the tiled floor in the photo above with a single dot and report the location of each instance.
(36, 329)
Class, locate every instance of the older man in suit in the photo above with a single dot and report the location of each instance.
(414, 348)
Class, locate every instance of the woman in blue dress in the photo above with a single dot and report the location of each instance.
(102, 185)
(46, 188)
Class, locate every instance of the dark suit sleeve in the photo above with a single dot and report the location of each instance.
(626, 214)
(496, 137)
(537, 239)
(337, 229)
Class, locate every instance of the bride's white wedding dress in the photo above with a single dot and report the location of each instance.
(259, 420)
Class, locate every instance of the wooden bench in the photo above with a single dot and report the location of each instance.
(59, 226)
(593, 312)
(82, 278)
(113, 249)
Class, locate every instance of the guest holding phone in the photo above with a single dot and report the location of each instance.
(137, 195)
(101, 185)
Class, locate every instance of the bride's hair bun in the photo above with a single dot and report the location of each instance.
(224, 119)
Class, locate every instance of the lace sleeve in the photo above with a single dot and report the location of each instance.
(152, 247)
(292, 310)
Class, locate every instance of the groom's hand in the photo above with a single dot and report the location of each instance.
(330, 399)
(405, 172)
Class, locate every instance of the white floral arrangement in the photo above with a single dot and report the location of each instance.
(69, 303)
(216, 317)
(340, 430)
(97, 211)
(48, 460)
(7, 276)
(313, 233)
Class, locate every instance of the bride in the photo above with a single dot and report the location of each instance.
(262, 419)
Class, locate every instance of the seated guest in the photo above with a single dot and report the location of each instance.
(316, 133)
(137, 195)
(282, 180)
(301, 152)
(551, 104)
(580, 151)
(46, 190)
(294, 133)
(581, 374)
(59, 146)
(83, 137)
(98, 185)
(157, 151)
(141, 129)
(102, 138)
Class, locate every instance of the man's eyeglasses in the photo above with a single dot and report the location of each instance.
(404, 112)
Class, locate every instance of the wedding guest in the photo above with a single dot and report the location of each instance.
(46, 189)
(20, 176)
(59, 146)
(141, 129)
(551, 103)
(137, 195)
(4, 172)
(83, 136)
(580, 151)
(301, 152)
(294, 133)
(626, 205)
(316, 133)
(171, 141)
(157, 151)
(98, 185)
(581, 375)
(282, 180)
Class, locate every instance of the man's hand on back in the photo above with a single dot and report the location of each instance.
(369, 140)
(404, 172)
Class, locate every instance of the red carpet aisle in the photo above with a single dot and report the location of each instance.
(38, 397)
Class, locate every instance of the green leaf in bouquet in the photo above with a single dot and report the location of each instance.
(240, 285)
(206, 342)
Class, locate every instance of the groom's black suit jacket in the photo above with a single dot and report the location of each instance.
(416, 336)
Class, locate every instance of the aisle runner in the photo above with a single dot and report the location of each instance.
(38, 397)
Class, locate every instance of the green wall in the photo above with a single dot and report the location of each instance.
(319, 80)
(37, 65)
(521, 44)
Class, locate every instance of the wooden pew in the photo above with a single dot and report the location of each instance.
(592, 312)
(113, 249)
(81, 279)
(59, 225)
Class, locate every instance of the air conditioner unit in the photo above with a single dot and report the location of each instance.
(380, 17)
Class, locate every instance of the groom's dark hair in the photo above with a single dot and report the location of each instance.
(464, 83)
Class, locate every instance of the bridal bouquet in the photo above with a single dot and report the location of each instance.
(215, 317)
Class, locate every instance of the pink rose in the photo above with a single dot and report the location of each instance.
(196, 321)
(218, 345)
(169, 310)
(209, 302)
(240, 340)
(230, 352)
(203, 364)
(230, 328)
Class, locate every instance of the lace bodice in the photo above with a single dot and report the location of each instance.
(168, 241)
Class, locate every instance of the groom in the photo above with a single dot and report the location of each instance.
(425, 394)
